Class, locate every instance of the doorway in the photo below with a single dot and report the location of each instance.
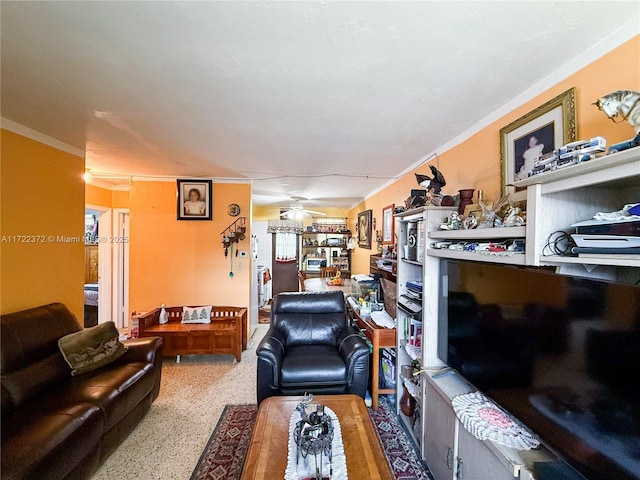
(106, 289)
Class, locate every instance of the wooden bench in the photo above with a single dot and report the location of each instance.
(226, 334)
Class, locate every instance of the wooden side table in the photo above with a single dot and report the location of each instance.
(380, 338)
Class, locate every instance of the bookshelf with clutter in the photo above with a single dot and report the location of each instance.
(576, 212)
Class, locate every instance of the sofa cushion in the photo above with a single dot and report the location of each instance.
(313, 366)
(196, 314)
(27, 338)
(19, 386)
(91, 348)
(116, 391)
(51, 443)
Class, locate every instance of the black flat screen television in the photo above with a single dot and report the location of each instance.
(561, 354)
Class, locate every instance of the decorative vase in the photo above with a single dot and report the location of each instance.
(407, 403)
(466, 198)
(164, 318)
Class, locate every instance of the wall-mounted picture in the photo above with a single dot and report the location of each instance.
(365, 221)
(388, 225)
(194, 199)
(539, 132)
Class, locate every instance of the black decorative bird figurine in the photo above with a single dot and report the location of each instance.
(434, 184)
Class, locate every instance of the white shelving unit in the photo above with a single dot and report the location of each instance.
(558, 200)
(555, 201)
(414, 270)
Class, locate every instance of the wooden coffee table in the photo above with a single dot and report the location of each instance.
(267, 455)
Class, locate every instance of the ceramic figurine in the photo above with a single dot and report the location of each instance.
(434, 184)
(164, 318)
(625, 103)
(452, 223)
(513, 218)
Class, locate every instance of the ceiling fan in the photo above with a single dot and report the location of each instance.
(297, 210)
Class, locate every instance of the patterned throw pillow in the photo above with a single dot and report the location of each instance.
(91, 348)
(197, 314)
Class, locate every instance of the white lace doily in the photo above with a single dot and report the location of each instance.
(486, 421)
(306, 467)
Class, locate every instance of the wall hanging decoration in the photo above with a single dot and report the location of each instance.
(194, 199)
(537, 133)
(365, 221)
(388, 225)
(233, 209)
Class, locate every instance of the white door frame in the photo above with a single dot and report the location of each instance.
(120, 277)
(105, 266)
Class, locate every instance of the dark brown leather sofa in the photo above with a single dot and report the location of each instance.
(55, 426)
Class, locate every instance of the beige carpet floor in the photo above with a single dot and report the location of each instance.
(168, 442)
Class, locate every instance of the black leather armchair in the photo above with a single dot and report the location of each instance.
(310, 347)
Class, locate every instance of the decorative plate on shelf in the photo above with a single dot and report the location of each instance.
(233, 209)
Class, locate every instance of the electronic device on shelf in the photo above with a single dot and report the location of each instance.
(606, 241)
(410, 305)
(597, 404)
(616, 227)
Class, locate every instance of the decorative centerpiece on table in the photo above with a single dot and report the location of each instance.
(316, 451)
(336, 281)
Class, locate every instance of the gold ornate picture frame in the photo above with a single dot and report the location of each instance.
(540, 131)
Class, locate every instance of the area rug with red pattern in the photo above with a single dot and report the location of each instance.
(223, 457)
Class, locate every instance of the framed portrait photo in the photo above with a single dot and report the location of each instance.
(194, 199)
(388, 225)
(548, 127)
(365, 221)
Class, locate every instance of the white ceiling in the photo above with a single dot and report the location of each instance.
(271, 89)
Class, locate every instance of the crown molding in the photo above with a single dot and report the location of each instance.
(173, 178)
(15, 127)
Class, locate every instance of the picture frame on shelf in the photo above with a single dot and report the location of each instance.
(548, 127)
(388, 225)
(194, 199)
(365, 224)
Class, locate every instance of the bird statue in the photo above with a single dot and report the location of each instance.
(434, 184)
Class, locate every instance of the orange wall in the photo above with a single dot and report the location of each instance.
(120, 199)
(182, 262)
(103, 197)
(42, 194)
(475, 163)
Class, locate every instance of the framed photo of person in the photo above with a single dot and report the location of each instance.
(548, 127)
(365, 222)
(194, 199)
(388, 225)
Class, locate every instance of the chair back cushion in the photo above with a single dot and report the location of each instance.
(30, 360)
(309, 318)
